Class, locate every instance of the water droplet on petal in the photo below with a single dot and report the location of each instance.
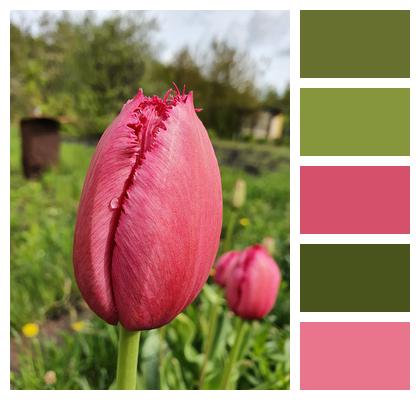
(114, 203)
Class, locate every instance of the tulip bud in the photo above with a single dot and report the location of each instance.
(270, 244)
(239, 193)
(150, 214)
(252, 286)
(224, 266)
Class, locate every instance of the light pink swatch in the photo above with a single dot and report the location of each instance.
(355, 355)
(355, 200)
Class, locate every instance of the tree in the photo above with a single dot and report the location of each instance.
(82, 69)
(231, 92)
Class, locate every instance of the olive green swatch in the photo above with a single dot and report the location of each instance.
(354, 277)
(355, 44)
(355, 122)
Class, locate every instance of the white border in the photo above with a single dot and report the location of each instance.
(354, 160)
(355, 239)
(294, 6)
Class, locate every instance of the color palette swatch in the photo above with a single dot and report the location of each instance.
(367, 200)
(355, 355)
(355, 122)
(355, 200)
(355, 44)
(355, 277)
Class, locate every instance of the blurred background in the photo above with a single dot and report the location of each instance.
(70, 74)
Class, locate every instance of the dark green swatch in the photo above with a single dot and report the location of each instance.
(354, 277)
(355, 122)
(355, 44)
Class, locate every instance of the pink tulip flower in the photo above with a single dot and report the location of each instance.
(253, 284)
(224, 266)
(150, 214)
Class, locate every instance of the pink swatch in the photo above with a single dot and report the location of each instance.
(355, 355)
(355, 200)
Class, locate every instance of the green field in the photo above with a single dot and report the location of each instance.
(79, 347)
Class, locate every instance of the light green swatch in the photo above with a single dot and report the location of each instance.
(355, 122)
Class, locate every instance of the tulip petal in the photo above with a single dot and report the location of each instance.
(111, 164)
(225, 265)
(170, 223)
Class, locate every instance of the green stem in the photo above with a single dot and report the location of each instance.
(227, 243)
(38, 357)
(209, 345)
(128, 352)
(233, 356)
(161, 354)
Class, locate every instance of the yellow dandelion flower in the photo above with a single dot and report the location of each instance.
(78, 326)
(30, 329)
(244, 221)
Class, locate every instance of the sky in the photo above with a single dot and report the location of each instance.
(264, 35)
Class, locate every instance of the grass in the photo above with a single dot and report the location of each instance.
(43, 290)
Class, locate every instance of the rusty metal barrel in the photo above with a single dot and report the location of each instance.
(40, 145)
